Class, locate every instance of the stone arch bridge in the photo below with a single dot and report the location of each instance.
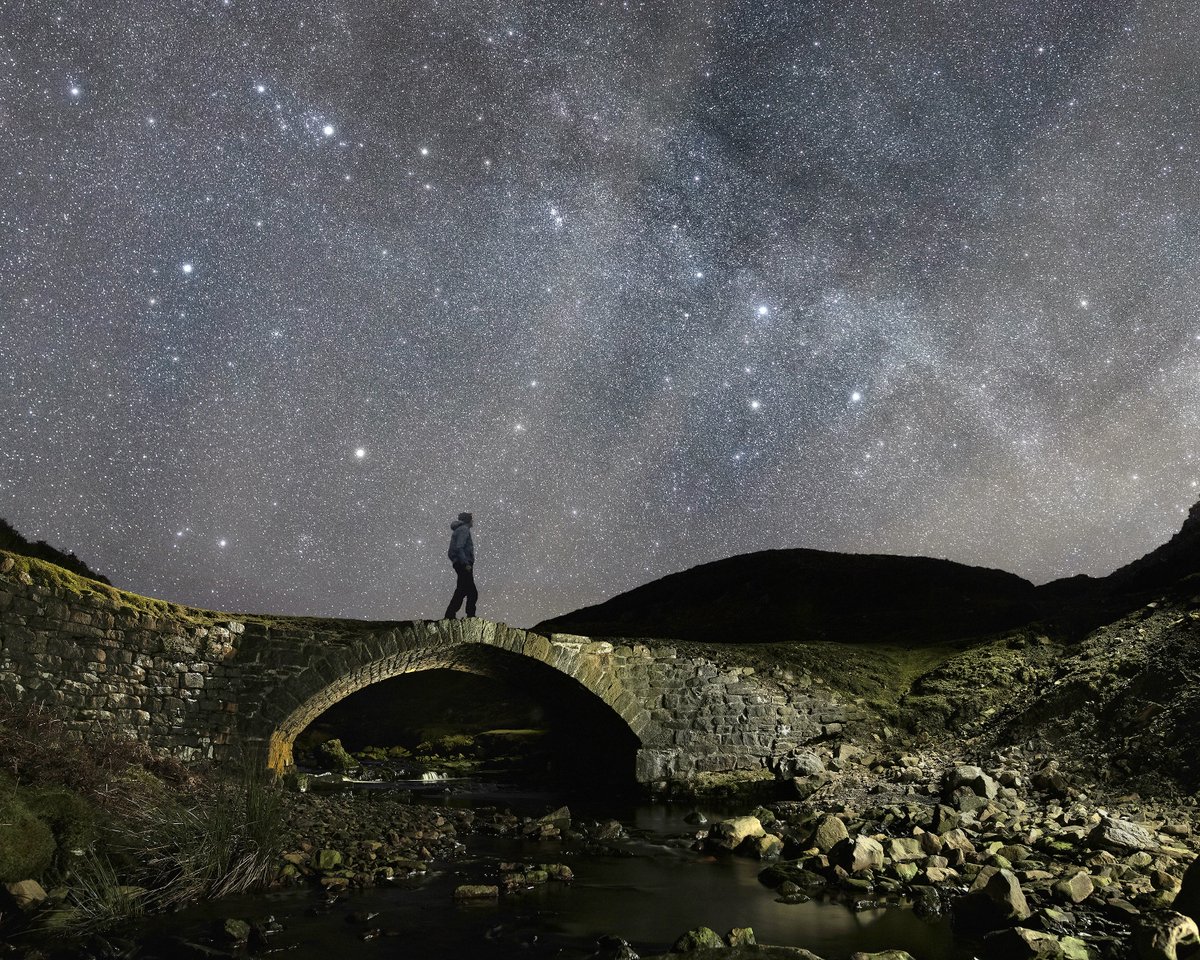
(210, 686)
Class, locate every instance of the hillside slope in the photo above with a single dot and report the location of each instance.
(812, 595)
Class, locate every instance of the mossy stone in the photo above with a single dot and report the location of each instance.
(699, 938)
(26, 843)
(70, 818)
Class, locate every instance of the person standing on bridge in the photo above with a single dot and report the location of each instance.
(462, 556)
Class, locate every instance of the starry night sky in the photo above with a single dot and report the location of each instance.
(285, 286)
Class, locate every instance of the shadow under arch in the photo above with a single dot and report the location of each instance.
(604, 718)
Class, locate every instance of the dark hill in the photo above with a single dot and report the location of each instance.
(13, 542)
(789, 595)
(1176, 559)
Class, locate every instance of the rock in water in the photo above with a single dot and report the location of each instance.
(614, 948)
(740, 937)
(234, 930)
(699, 938)
(882, 955)
(476, 891)
(728, 834)
(1121, 836)
(560, 819)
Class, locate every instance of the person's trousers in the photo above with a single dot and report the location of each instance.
(465, 588)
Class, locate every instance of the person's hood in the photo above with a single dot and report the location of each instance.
(455, 524)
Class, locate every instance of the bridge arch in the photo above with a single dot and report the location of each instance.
(562, 667)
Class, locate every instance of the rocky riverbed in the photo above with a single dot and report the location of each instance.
(1023, 859)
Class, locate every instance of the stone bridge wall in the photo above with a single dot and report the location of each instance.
(204, 685)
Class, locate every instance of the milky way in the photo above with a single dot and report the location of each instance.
(285, 286)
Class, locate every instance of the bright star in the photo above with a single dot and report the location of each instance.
(763, 311)
(755, 404)
(328, 130)
(221, 543)
(186, 267)
(360, 453)
(75, 92)
(855, 397)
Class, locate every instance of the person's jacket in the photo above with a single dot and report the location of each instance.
(462, 549)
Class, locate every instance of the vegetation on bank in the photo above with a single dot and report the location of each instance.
(113, 829)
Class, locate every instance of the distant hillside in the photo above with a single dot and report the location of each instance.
(13, 542)
(809, 595)
(1179, 557)
(812, 595)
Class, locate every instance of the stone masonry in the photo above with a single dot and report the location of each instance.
(210, 686)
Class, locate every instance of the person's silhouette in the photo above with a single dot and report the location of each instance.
(462, 556)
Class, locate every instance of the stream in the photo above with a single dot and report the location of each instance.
(647, 888)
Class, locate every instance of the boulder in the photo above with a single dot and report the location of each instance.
(1187, 901)
(1051, 781)
(234, 930)
(858, 855)
(828, 833)
(1018, 943)
(995, 900)
(956, 842)
(766, 847)
(740, 937)
(1168, 936)
(476, 891)
(609, 947)
(698, 938)
(26, 894)
(1121, 836)
(882, 955)
(333, 756)
(1004, 891)
(1075, 888)
(729, 834)
(802, 881)
(800, 764)
(559, 819)
(905, 850)
(326, 859)
(974, 779)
